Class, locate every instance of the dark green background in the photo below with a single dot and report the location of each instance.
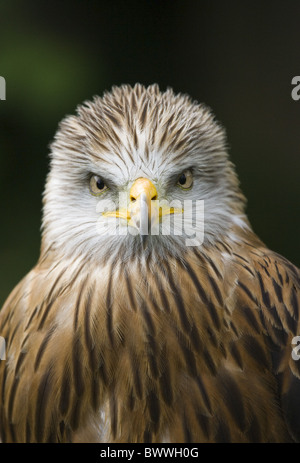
(238, 57)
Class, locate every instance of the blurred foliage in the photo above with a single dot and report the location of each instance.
(238, 57)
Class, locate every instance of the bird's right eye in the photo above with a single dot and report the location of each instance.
(185, 181)
(97, 185)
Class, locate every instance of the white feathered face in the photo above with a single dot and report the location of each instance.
(138, 170)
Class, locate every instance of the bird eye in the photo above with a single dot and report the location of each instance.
(97, 185)
(185, 180)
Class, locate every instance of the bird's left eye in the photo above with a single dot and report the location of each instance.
(97, 185)
(185, 180)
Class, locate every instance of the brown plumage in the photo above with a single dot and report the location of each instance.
(123, 339)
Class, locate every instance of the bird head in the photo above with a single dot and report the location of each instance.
(137, 170)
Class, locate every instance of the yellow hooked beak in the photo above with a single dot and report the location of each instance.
(143, 209)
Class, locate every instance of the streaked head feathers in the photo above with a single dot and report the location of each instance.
(131, 133)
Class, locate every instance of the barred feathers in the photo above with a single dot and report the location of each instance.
(124, 355)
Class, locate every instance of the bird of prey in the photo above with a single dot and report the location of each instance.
(154, 313)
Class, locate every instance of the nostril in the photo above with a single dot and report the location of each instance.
(132, 199)
(154, 198)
